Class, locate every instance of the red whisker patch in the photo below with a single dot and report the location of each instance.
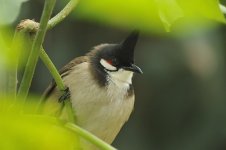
(110, 62)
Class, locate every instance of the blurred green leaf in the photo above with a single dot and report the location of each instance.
(126, 13)
(9, 10)
(148, 14)
(202, 9)
(169, 11)
(10, 48)
(29, 131)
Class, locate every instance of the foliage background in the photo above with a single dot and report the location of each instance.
(180, 98)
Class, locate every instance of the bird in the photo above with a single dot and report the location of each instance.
(100, 89)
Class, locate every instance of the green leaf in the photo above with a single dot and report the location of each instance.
(10, 49)
(9, 10)
(150, 15)
(124, 13)
(202, 8)
(169, 12)
(29, 131)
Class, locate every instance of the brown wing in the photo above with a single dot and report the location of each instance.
(63, 72)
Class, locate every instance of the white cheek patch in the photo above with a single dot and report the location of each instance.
(106, 65)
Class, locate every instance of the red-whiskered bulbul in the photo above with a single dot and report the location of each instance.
(100, 89)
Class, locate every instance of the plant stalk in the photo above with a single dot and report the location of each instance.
(33, 58)
(53, 70)
(60, 84)
(62, 14)
(89, 137)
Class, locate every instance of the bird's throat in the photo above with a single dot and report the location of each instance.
(121, 76)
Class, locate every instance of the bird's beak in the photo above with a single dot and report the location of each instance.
(133, 68)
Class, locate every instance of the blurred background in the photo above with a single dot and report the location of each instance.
(180, 98)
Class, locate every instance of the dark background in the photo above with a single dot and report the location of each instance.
(180, 98)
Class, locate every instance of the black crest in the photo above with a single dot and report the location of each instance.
(128, 45)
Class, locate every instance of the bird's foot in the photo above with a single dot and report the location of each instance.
(66, 95)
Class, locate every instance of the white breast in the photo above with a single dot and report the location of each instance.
(100, 110)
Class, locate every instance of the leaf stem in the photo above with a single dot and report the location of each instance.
(53, 70)
(33, 58)
(60, 84)
(62, 14)
(89, 137)
(70, 112)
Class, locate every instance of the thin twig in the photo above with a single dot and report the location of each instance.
(89, 137)
(60, 84)
(62, 14)
(53, 70)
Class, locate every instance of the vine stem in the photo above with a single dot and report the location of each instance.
(89, 137)
(60, 84)
(36, 46)
(53, 70)
(62, 14)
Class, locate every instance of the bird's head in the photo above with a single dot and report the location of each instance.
(111, 59)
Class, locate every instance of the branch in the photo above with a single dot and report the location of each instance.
(62, 14)
(33, 58)
(89, 137)
(31, 26)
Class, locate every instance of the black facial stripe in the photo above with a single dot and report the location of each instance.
(98, 72)
(111, 70)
